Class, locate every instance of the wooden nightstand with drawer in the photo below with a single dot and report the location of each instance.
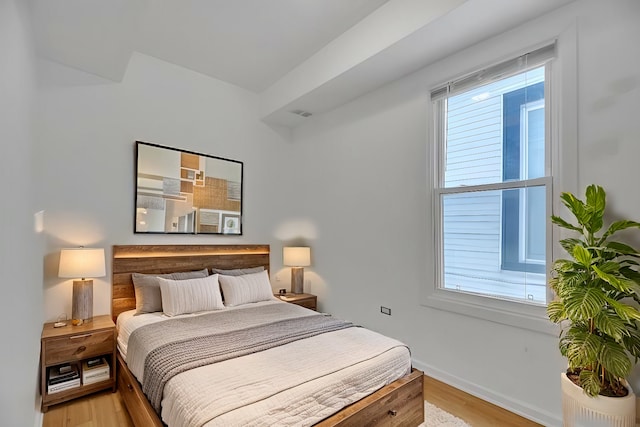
(305, 300)
(75, 346)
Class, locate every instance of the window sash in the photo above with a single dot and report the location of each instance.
(522, 183)
(439, 224)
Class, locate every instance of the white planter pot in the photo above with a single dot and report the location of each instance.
(581, 410)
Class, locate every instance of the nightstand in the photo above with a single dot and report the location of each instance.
(305, 300)
(74, 345)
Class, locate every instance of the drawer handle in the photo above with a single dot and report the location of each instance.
(75, 337)
(130, 387)
(393, 412)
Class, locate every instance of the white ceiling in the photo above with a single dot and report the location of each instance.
(298, 54)
(249, 43)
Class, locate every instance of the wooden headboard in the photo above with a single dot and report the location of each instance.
(159, 259)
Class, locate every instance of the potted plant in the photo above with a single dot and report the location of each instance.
(597, 291)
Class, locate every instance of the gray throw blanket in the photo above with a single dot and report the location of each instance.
(187, 343)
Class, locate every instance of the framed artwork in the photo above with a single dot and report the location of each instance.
(184, 192)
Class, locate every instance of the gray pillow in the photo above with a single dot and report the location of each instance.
(238, 271)
(147, 287)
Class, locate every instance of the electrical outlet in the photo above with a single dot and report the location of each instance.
(385, 310)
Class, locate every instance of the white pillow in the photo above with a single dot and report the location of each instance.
(190, 295)
(247, 288)
(147, 288)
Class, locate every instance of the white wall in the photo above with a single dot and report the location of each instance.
(20, 247)
(363, 183)
(88, 128)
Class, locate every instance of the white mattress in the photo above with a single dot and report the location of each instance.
(298, 384)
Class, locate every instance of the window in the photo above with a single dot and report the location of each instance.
(492, 194)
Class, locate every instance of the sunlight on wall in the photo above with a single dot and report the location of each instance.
(294, 229)
(72, 229)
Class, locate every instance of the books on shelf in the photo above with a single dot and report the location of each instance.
(96, 362)
(63, 377)
(95, 370)
(54, 388)
(71, 375)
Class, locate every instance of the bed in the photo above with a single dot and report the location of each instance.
(380, 401)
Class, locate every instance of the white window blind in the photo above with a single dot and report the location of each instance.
(495, 72)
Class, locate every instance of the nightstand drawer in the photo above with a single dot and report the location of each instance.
(79, 346)
(307, 303)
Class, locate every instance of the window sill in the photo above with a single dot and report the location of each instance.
(518, 315)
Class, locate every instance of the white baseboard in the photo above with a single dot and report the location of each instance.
(39, 415)
(523, 409)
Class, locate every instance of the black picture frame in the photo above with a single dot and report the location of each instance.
(186, 192)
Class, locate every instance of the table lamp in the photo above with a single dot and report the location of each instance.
(297, 258)
(82, 263)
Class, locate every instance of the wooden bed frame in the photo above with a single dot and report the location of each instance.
(400, 403)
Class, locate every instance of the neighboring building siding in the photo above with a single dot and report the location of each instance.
(474, 156)
(474, 143)
(472, 231)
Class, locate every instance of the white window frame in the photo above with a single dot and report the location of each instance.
(441, 190)
(524, 163)
(561, 100)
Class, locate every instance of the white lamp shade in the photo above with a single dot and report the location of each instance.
(296, 256)
(81, 262)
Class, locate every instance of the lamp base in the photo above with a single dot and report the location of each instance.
(82, 302)
(297, 280)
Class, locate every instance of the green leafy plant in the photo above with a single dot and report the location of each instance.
(597, 295)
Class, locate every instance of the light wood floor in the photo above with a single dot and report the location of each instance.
(107, 410)
(103, 409)
(476, 412)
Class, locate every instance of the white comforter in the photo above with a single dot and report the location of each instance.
(297, 384)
